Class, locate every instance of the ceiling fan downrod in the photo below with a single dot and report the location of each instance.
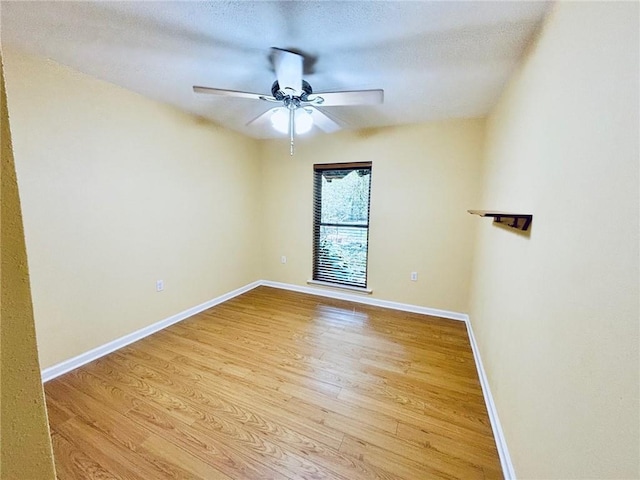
(292, 103)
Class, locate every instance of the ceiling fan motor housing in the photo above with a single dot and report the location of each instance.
(278, 95)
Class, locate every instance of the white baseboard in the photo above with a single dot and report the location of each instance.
(501, 443)
(366, 299)
(75, 362)
(86, 357)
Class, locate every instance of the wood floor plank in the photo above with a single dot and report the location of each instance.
(275, 384)
(124, 461)
(74, 462)
(208, 392)
(252, 360)
(484, 452)
(202, 446)
(285, 449)
(405, 467)
(427, 416)
(56, 415)
(179, 463)
(84, 380)
(176, 422)
(94, 412)
(441, 461)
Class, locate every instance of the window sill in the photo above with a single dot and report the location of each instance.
(367, 291)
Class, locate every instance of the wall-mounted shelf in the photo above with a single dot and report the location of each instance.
(521, 221)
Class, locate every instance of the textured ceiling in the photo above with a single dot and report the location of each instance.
(434, 60)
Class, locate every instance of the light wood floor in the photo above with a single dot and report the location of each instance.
(282, 385)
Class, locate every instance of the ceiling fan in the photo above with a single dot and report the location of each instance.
(297, 111)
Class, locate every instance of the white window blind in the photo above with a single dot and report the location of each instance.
(341, 202)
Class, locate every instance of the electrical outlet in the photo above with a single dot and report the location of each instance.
(283, 259)
(414, 276)
(159, 285)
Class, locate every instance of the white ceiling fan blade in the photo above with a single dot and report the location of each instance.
(288, 67)
(355, 97)
(231, 93)
(322, 120)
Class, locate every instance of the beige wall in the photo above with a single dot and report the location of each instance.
(556, 314)
(117, 192)
(25, 447)
(424, 179)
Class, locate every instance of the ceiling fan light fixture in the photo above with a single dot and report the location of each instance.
(302, 119)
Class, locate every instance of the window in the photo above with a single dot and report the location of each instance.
(341, 195)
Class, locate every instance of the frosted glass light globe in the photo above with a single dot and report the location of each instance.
(280, 120)
(302, 119)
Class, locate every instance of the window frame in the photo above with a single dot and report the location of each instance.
(318, 170)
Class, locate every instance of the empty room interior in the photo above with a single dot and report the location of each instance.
(439, 278)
